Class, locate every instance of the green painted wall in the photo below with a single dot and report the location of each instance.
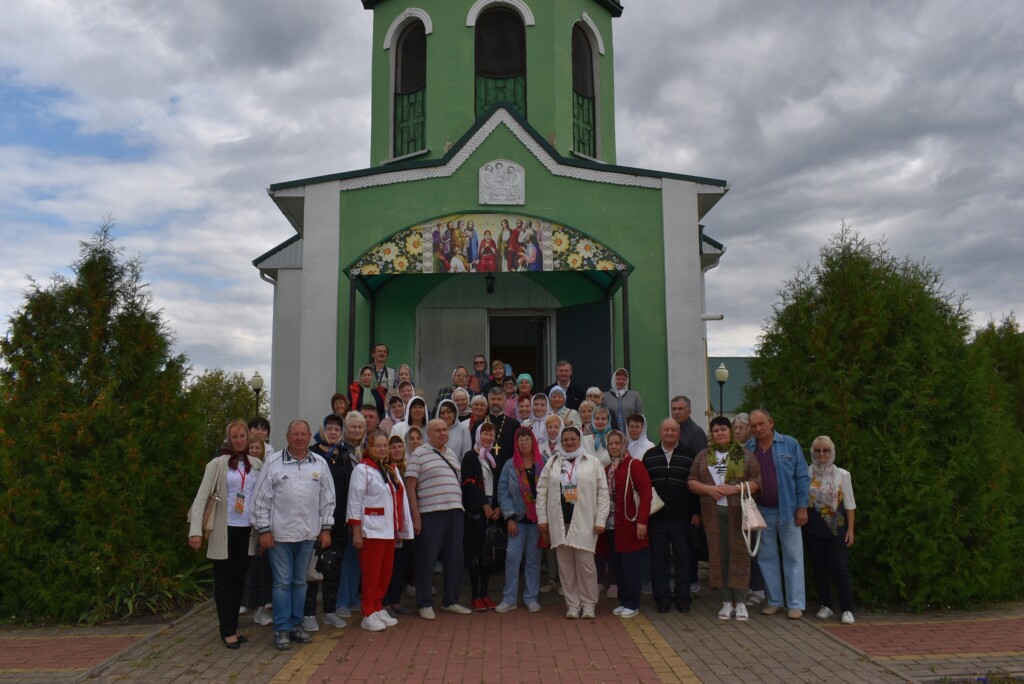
(626, 219)
(450, 75)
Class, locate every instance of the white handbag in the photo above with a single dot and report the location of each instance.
(753, 522)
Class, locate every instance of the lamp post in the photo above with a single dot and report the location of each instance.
(256, 382)
(721, 375)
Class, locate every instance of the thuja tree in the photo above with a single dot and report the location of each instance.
(98, 452)
(868, 348)
(1004, 344)
(219, 396)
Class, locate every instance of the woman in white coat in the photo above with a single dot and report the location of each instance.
(232, 476)
(378, 514)
(572, 509)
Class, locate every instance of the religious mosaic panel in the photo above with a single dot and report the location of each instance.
(487, 243)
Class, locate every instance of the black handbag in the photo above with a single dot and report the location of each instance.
(492, 553)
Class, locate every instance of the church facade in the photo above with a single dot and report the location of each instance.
(493, 218)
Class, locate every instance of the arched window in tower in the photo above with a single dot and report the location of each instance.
(410, 106)
(584, 102)
(500, 60)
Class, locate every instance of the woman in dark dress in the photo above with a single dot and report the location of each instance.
(479, 477)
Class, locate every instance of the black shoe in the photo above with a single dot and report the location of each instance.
(683, 607)
(300, 635)
(233, 645)
(242, 639)
(664, 609)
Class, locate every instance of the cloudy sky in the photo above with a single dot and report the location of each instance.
(906, 119)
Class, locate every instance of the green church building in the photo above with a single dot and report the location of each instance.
(492, 219)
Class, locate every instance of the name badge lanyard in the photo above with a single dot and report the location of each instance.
(240, 496)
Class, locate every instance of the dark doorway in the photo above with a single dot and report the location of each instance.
(521, 342)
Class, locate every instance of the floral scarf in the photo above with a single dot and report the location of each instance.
(735, 460)
(524, 483)
(824, 493)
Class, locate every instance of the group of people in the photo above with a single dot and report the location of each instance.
(460, 249)
(495, 477)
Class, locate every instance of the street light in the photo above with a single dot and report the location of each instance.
(721, 375)
(256, 382)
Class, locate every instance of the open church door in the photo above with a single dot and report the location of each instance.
(585, 340)
(446, 338)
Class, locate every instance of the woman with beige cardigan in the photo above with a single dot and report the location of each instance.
(232, 477)
(572, 508)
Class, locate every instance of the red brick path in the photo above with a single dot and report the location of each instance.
(484, 647)
(60, 652)
(986, 636)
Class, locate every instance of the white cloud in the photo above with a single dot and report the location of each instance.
(906, 119)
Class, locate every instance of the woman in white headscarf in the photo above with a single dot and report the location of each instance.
(637, 443)
(552, 441)
(556, 399)
(572, 509)
(459, 440)
(622, 401)
(415, 414)
(539, 412)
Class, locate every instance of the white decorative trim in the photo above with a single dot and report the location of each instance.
(518, 5)
(502, 181)
(501, 117)
(593, 27)
(401, 20)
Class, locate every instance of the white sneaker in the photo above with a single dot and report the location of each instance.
(262, 616)
(613, 591)
(242, 610)
(549, 586)
(343, 612)
(505, 607)
(383, 616)
(629, 613)
(533, 607)
(755, 598)
(427, 613)
(847, 617)
(333, 620)
(588, 613)
(618, 610)
(457, 609)
(309, 624)
(726, 611)
(824, 613)
(741, 613)
(372, 623)
(572, 614)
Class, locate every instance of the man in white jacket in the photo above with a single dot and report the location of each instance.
(293, 504)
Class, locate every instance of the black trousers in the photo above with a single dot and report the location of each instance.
(229, 580)
(627, 568)
(403, 555)
(828, 557)
(671, 550)
(332, 578)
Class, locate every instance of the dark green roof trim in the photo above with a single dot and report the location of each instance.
(711, 241)
(611, 5)
(464, 140)
(275, 250)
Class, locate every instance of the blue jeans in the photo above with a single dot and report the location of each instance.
(288, 563)
(348, 583)
(524, 542)
(786, 533)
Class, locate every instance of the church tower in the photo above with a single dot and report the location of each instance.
(492, 220)
(438, 65)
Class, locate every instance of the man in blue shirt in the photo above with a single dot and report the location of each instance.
(783, 503)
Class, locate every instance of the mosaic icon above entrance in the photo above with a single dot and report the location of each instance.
(487, 243)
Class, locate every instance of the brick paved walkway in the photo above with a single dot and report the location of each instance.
(64, 654)
(952, 645)
(521, 647)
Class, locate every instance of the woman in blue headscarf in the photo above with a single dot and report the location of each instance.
(596, 442)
